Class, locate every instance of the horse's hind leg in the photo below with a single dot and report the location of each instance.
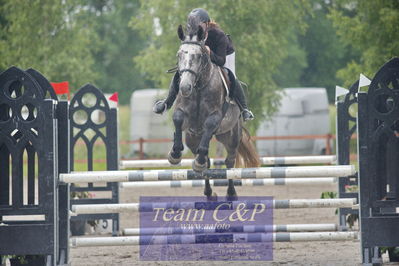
(174, 156)
(231, 141)
(208, 191)
(230, 162)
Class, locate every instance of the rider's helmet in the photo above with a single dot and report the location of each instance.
(201, 14)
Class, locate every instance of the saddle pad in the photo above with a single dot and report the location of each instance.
(225, 81)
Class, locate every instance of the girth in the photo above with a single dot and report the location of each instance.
(198, 132)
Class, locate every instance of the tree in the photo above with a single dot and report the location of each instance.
(117, 44)
(258, 30)
(294, 63)
(326, 53)
(49, 36)
(370, 28)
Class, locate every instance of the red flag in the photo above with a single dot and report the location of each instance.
(61, 87)
(114, 97)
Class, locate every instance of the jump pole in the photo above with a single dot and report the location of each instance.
(148, 207)
(237, 182)
(222, 238)
(323, 159)
(236, 229)
(233, 173)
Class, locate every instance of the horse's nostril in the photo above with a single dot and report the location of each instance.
(186, 90)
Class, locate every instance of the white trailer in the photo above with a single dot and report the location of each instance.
(303, 111)
(144, 123)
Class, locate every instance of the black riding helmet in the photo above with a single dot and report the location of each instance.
(200, 13)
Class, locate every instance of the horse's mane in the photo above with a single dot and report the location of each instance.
(193, 23)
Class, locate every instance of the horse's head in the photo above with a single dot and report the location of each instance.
(192, 58)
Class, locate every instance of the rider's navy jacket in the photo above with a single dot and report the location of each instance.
(219, 44)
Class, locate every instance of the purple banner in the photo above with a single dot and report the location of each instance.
(192, 229)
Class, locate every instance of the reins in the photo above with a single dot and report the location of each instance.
(225, 105)
(196, 75)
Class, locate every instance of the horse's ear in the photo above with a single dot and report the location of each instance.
(180, 32)
(200, 33)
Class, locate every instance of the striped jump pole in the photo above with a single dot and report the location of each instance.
(149, 206)
(323, 159)
(233, 173)
(215, 238)
(232, 229)
(237, 182)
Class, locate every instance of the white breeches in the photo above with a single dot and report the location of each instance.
(231, 62)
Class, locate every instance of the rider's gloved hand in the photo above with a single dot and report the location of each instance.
(159, 107)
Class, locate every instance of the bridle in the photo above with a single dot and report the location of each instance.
(196, 74)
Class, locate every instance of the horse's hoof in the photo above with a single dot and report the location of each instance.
(213, 197)
(232, 197)
(173, 160)
(199, 167)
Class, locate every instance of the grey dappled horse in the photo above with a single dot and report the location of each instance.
(202, 111)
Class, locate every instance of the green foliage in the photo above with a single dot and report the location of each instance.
(328, 195)
(50, 36)
(369, 27)
(258, 30)
(393, 253)
(326, 53)
(117, 44)
(351, 219)
(294, 63)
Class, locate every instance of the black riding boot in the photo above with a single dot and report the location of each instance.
(162, 105)
(239, 96)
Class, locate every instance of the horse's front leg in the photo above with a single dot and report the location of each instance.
(210, 126)
(175, 154)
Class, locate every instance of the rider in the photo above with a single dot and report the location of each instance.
(222, 53)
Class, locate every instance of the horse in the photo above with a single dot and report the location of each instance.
(203, 110)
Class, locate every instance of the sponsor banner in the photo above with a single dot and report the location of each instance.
(220, 229)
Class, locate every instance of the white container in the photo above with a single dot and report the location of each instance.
(144, 123)
(303, 111)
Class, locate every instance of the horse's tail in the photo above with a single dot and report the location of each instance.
(247, 156)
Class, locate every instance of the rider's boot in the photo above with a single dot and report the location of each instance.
(239, 96)
(162, 105)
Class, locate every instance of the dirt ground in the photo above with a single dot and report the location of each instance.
(285, 253)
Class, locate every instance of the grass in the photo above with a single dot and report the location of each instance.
(99, 152)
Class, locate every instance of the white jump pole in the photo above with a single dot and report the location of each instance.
(323, 159)
(277, 204)
(192, 239)
(241, 229)
(237, 182)
(234, 173)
